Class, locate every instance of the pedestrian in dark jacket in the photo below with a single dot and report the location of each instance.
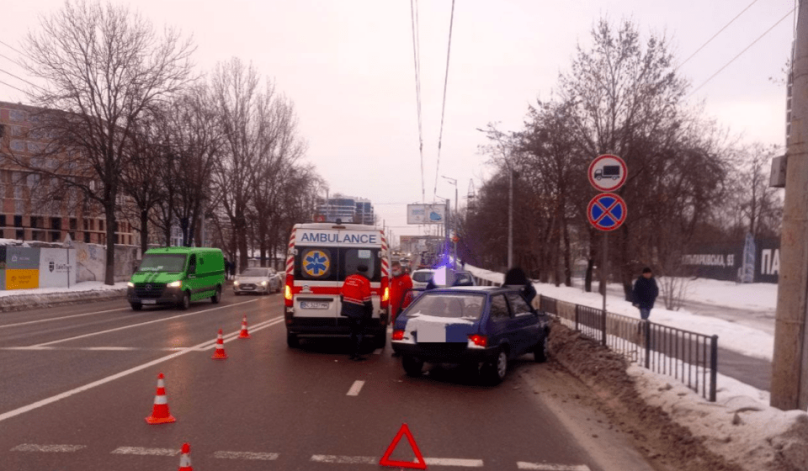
(357, 306)
(517, 277)
(645, 293)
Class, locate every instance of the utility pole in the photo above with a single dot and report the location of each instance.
(789, 388)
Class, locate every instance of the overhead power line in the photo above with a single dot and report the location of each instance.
(12, 48)
(741, 53)
(12, 86)
(20, 78)
(416, 55)
(716, 34)
(443, 107)
(11, 60)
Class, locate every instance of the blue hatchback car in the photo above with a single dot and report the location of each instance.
(484, 327)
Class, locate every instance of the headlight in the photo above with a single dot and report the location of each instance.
(175, 284)
(235, 282)
(130, 284)
(263, 283)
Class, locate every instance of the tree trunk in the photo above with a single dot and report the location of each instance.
(109, 212)
(625, 264)
(241, 236)
(567, 254)
(144, 232)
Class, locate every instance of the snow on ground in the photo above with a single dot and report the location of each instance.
(732, 336)
(740, 426)
(79, 287)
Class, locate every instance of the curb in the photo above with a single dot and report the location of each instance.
(32, 301)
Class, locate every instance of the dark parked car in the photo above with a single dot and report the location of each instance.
(481, 326)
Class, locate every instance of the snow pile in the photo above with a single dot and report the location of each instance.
(77, 288)
(752, 296)
(742, 429)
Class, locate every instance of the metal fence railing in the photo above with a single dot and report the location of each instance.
(689, 357)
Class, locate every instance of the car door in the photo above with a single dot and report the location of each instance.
(192, 281)
(525, 323)
(500, 326)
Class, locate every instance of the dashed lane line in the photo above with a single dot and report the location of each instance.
(245, 455)
(44, 402)
(334, 459)
(140, 451)
(61, 318)
(454, 462)
(48, 448)
(551, 467)
(355, 388)
(92, 334)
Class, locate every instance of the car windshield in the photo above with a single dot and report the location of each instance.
(460, 305)
(422, 276)
(255, 272)
(164, 262)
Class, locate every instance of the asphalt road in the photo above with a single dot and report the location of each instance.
(77, 382)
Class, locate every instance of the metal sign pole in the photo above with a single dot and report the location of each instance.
(604, 280)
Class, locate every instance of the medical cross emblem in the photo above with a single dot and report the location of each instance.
(606, 211)
(317, 263)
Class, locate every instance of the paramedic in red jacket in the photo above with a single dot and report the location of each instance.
(399, 285)
(357, 306)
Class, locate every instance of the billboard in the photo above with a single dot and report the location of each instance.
(54, 268)
(426, 214)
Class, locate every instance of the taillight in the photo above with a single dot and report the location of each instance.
(288, 297)
(385, 293)
(479, 340)
(398, 334)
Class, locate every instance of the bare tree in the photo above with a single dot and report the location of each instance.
(244, 116)
(104, 67)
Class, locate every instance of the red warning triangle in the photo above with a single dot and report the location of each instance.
(419, 459)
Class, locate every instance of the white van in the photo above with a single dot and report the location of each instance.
(320, 257)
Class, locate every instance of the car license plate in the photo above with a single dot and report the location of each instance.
(149, 301)
(314, 305)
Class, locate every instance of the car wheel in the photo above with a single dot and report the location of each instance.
(412, 366)
(137, 306)
(186, 301)
(540, 351)
(217, 297)
(292, 341)
(494, 372)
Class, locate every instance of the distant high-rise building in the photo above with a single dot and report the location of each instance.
(348, 209)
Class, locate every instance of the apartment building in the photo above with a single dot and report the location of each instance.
(31, 205)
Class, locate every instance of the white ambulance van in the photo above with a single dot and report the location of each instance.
(320, 257)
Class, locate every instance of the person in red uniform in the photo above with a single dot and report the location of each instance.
(399, 285)
(356, 306)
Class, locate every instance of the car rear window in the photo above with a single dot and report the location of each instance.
(336, 263)
(461, 305)
(422, 276)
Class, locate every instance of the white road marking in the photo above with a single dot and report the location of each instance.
(60, 318)
(27, 348)
(454, 462)
(142, 324)
(88, 386)
(551, 467)
(136, 450)
(355, 388)
(344, 459)
(378, 351)
(49, 448)
(245, 455)
(210, 344)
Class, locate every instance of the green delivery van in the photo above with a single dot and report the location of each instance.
(177, 276)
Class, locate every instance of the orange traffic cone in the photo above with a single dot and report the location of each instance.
(219, 354)
(185, 458)
(160, 413)
(244, 334)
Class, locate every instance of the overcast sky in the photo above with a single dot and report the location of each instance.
(348, 67)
